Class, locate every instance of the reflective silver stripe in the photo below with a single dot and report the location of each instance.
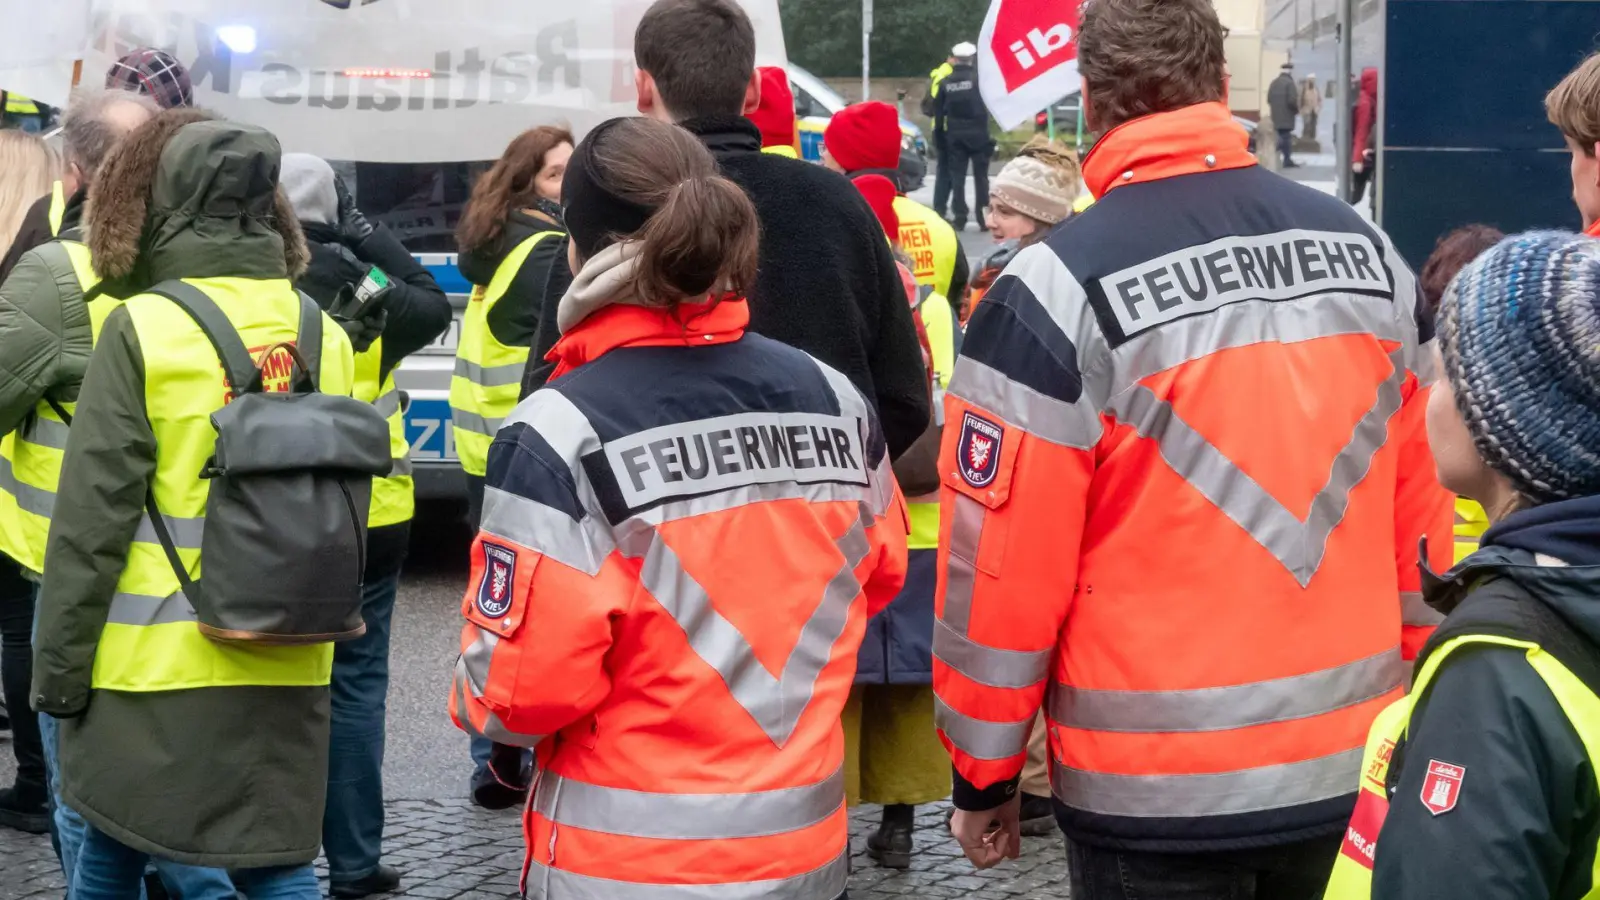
(992, 666)
(141, 609)
(980, 738)
(1210, 794)
(1233, 706)
(494, 729)
(185, 533)
(562, 425)
(966, 527)
(476, 658)
(775, 704)
(490, 376)
(825, 883)
(583, 544)
(1415, 611)
(471, 421)
(1074, 425)
(1298, 545)
(687, 817)
(34, 500)
(387, 404)
(401, 468)
(45, 432)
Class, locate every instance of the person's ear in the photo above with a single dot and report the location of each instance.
(752, 93)
(1083, 103)
(645, 87)
(1594, 153)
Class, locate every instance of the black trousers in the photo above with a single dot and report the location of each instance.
(16, 680)
(963, 151)
(941, 175)
(1290, 872)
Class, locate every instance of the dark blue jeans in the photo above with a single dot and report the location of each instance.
(1289, 872)
(352, 822)
(1286, 145)
(110, 870)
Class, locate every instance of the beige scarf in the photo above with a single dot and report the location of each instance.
(605, 280)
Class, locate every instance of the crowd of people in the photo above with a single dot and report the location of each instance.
(779, 508)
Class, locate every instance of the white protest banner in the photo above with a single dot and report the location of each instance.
(398, 80)
(1027, 57)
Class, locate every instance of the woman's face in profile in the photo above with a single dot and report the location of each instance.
(548, 181)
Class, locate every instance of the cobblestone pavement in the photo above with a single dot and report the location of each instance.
(450, 850)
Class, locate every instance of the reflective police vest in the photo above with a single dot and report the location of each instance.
(36, 447)
(939, 321)
(930, 242)
(18, 105)
(393, 497)
(150, 641)
(1352, 869)
(488, 374)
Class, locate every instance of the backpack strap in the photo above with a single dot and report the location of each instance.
(309, 340)
(238, 366)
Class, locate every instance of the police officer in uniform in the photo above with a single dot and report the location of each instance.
(959, 108)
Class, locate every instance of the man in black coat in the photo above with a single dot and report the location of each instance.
(960, 108)
(827, 282)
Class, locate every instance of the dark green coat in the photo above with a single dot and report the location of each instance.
(228, 777)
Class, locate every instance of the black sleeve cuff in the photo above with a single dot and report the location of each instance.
(969, 798)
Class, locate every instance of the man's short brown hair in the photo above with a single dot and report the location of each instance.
(701, 54)
(1140, 57)
(1574, 105)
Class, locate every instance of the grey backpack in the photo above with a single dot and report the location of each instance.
(284, 546)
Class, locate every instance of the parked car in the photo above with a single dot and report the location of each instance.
(815, 103)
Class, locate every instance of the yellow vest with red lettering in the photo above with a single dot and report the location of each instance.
(931, 243)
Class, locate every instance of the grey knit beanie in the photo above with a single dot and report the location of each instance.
(1041, 182)
(308, 180)
(1519, 330)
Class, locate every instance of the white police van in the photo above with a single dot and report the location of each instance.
(425, 378)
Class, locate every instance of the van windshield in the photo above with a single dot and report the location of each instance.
(420, 202)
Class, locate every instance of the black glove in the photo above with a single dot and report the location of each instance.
(362, 329)
(353, 226)
(511, 766)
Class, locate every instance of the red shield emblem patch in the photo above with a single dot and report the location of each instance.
(499, 571)
(979, 450)
(1441, 790)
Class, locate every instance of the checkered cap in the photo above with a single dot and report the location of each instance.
(154, 73)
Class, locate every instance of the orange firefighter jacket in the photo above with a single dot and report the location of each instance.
(683, 536)
(1185, 475)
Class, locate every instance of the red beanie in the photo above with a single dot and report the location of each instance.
(865, 136)
(775, 115)
(880, 193)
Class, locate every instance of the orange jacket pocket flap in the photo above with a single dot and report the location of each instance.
(497, 598)
(984, 458)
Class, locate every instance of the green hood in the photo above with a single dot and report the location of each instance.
(186, 197)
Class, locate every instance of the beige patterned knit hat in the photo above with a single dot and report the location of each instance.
(1041, 182)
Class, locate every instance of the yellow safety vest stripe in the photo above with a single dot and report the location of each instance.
(939, 322)
(58, 207)
(18, 105)
(394, 496)
(34, 467)
(1471, 523)
(781, 150)
(488, 374)
(150, 641)
(1352, 869)
(930, 242)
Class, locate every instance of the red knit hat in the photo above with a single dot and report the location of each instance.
(880, 193)
(865, 136)
(775, 115)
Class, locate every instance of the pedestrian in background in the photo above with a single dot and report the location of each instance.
(966, 121)
(391, 307)
(930, 108)
(1450, 255)
(1364, 148)
(892, 753)
(174, 745)
(27, 167)
(775, 115)
(826, 283)
(1481, 781)
(1283, 99)
(1574, 107)
(864, 138)
(513, 250)
(1208, 647)
(624, 605)
(1310, 106)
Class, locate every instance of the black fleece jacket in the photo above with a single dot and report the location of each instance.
(826, 282)
(418, 312)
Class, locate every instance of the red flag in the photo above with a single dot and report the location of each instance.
(1027, 57)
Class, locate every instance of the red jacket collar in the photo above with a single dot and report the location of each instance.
(694, 325)
(1198, 138)
(1594, 229)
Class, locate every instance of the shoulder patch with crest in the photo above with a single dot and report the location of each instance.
(978, 450)
(499, 575)
(1441, 790)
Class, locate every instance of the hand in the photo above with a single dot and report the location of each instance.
(988, 838)
(1356, 167)
(353, 226)
(364, 330)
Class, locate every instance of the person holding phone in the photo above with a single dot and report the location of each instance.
(391, 307)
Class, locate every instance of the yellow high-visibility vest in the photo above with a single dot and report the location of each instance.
(939, 321)
(58, 207)
(393, 496)
(1471, 523)
(18, 105)
(151, 641)
(931, 243)
(32, 472)
(488, 374)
